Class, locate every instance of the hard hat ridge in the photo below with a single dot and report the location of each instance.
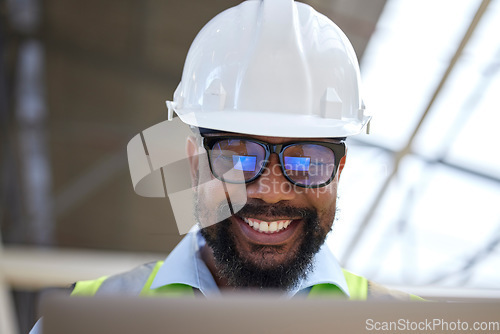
(278, 50)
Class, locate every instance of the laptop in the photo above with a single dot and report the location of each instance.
(245, 314)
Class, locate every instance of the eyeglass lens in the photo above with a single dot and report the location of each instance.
(305, 164)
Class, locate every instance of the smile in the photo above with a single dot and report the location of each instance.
(265, 226)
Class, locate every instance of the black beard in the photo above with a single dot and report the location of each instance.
(242, 273)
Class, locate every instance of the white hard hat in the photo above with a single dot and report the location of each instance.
(273, 68)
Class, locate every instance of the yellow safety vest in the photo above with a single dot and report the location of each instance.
(138, 282)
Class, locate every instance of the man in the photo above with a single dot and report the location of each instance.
(271, 90)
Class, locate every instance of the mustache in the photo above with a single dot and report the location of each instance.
(274, 210)
(261, 208)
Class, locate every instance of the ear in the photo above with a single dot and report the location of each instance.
(341, 166)
(192, 154)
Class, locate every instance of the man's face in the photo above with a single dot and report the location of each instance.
(297, 221)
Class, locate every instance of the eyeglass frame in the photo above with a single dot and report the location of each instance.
(339, 150)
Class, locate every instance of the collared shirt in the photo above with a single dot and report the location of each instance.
(184, 265)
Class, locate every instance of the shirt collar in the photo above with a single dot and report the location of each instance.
(184, 265)
(326, 270)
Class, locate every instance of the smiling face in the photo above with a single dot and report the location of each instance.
(271, 241)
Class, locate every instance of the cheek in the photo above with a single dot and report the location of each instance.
(205, 195)
(212, 200)
(213, 196)
(208, 198)
(324, 200)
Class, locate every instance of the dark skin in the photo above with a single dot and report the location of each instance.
(270, 190)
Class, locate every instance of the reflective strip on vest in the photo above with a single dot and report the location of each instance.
(135, 282)
(87, 288)
(357, 285)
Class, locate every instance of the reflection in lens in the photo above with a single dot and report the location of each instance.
(309, 164)
(245, 163)
(237, 154)
(297, 163)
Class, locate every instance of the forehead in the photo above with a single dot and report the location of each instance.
(270, 139)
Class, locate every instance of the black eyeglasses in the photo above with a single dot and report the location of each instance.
(307, 164)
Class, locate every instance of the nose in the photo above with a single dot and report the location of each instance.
(272, 186)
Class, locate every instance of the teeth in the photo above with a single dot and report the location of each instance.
(267, 227)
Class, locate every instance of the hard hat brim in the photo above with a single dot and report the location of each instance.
(275, 125)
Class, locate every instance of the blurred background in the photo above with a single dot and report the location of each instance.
(419, 199)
